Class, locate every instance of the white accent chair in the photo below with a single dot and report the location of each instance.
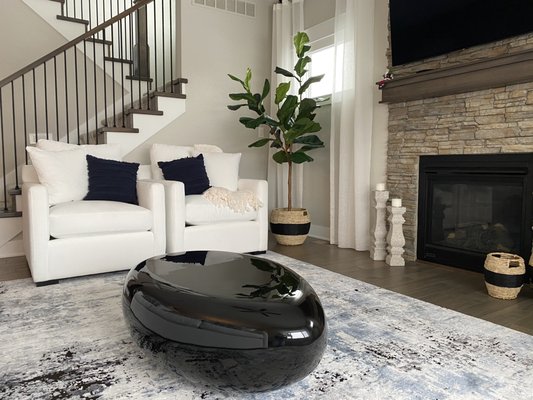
(82, 237)
(192, 223)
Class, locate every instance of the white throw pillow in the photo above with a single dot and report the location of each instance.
(205, 148)
(108, 151)
(166, 152)
(223, 169)
(63, 173)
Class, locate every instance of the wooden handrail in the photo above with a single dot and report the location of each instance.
(73, 42)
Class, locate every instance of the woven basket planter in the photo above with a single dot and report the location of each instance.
(290, 228)
(504, 275)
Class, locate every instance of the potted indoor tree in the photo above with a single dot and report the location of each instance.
(291, 131)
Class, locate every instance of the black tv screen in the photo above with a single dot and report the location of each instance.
(421, 29)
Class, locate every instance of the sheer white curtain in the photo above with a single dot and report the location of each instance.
(287, 21)
(351, 126)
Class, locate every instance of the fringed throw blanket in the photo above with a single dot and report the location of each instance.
(240, 201)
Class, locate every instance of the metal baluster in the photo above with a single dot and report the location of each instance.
(24, 115)
(148, 83)
(57, 97)
(46, 99)
(155, 49)
(139, 61)
(3, 151)
(86, 94)
(163, 45)
(95, 94)
(122, 76)
(131, 58)
(105, 83)
(91, 26)
(77, 92)
(113, 73)
(35, 104)
(171, 47)
(97, 16)
(66, 94)
(14, 134)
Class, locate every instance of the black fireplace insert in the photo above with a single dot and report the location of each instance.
(471, 205)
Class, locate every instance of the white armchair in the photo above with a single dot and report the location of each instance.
(82, 237)
(193, 223)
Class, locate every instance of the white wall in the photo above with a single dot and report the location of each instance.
(19, 45)
(215, 43)
(317, 11)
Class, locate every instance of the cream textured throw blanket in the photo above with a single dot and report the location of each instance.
(240, 201)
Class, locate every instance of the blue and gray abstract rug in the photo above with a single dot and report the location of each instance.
(70, 341)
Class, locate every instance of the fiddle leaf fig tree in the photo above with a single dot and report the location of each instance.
(291, 124)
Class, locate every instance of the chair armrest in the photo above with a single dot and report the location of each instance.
(175, 215)
(260, 188)
(151, 195)
(36, 228)
(257, 186)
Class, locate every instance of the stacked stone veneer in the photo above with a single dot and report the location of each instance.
(498, 120)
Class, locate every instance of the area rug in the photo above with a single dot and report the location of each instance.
(70, 341)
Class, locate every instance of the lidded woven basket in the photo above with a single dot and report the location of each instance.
(504, 275)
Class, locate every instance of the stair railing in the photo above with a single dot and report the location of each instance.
(89, 86)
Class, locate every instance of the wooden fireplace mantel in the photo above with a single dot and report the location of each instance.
(494, 72)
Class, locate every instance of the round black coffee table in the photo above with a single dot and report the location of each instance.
(233, 321)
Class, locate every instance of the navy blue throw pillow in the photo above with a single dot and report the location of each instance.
(190, 171)
(112, 180)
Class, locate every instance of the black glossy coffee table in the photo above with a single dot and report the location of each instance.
(233, 321)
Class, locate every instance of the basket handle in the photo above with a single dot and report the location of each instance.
(514, 263)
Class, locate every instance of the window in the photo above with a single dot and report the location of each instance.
(322, 62)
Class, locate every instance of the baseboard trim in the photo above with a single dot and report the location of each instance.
(319, 232)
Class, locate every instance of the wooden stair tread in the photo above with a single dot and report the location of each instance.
(9, 214)
(168, 94)
(143, 111)
(117, 129)
(180, 80)
(72, 19)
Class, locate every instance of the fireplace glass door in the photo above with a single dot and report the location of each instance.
(468, 211)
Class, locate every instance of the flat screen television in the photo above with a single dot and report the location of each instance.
(421, 29)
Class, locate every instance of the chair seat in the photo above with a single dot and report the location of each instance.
(97, 217)
(199, 211)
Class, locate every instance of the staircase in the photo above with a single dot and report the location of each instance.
(113, 82)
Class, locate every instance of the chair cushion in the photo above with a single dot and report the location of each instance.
(200, 211)
(190, 171)
(97, 217)
(112, 180)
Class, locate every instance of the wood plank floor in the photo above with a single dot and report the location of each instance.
(448, 287)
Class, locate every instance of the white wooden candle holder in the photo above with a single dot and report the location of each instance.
(378, 248)
(395, 238)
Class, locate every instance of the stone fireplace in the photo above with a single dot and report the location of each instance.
(483, 108)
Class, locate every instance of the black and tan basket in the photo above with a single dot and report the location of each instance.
(504, 275)
(290, 227)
